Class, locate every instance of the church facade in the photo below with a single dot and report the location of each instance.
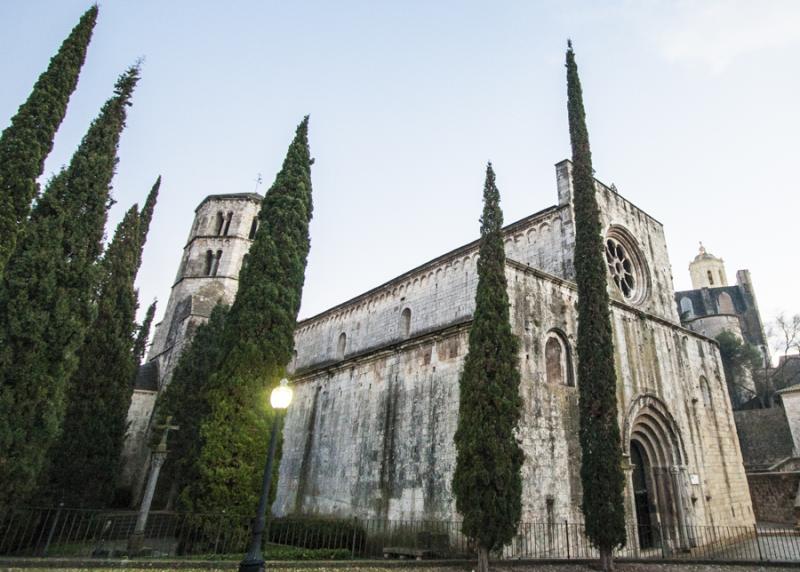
(370, 431)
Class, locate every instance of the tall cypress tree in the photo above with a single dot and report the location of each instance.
(486, 481)
(47, 298)
(258, 343)
(25, 144)
(185, 400)
(601, 461)
(99, 393)
(146, 216)
(143, 332)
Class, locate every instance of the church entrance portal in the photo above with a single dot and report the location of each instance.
(658, 480)
(641, 496)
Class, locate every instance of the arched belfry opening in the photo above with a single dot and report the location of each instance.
(658, 479)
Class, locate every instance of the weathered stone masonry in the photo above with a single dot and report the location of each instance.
(370, 431)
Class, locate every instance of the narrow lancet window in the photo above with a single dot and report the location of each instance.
(209, 262)
(215, 264)
(405, 322)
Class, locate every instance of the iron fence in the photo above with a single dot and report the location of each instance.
(61, 532)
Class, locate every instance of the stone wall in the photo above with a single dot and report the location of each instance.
(372, 434)
(135, 450)
(764, 436)
(774, 496)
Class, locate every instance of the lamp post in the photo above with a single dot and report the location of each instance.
(280, 398)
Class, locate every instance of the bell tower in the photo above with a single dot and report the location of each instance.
(707, 270)
(221, 234)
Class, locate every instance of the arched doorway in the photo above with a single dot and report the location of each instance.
(658, 479)
(642, 496)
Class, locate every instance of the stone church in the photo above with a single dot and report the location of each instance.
(370, 431)
(713, 306)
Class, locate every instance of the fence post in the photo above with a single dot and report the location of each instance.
(566, 528)
(758, 543)
(52, 529)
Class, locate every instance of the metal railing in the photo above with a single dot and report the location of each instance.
(61, 532)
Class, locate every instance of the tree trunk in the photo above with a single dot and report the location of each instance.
(483, 559)
(607, 560)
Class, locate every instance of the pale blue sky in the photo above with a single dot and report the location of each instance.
(692, 111)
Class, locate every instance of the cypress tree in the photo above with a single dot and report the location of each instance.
(47, 295)
(146, 215)
(601, 461)
(185, 399)
(25, 144)
(143, 332)
(487, 482)
(99, 393)
(258, 342)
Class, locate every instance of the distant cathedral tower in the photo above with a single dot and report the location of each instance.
(707, 270)
(713, 307)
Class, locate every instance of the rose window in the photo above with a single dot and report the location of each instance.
(621, 267)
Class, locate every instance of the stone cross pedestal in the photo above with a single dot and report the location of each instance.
(136, 541)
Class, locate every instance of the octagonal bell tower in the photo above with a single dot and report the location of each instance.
(221, 234)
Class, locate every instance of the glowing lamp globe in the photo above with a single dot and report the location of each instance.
(281, 396)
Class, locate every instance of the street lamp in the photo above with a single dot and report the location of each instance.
(280, 398)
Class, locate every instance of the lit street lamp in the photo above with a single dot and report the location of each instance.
(280, 398)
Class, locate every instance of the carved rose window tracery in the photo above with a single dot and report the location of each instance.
(626, 265)
(621, 267)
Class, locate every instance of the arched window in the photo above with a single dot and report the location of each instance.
(710, 278)
(209, 262)
(725, 304)
(220, 223)
(687, 308)
(705, 389)
(253, 228)
(215, 264)
(405, 322)
(227, 224)
(341, 346)
(558, 361)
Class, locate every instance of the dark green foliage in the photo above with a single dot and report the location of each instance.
(25, 144)
(738, 358)
(143, 331)
(47, 298)
(601, 461)
(99, 392)
(258, 342)
(487, 482)
(146, 216)
(185, 400)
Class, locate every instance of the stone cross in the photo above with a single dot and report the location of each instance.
(159, 455)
